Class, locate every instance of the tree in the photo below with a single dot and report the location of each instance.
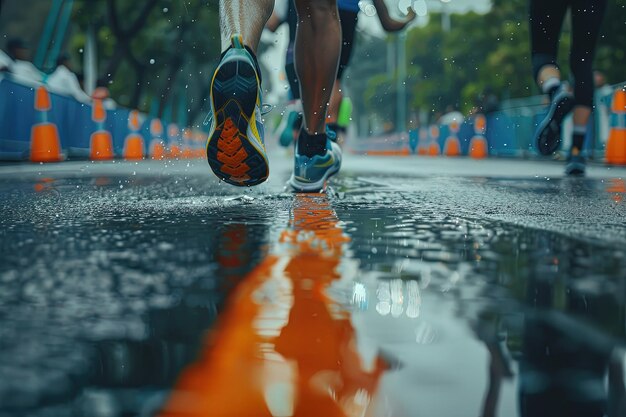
(490, 51)
(612, 43)
(153, 56)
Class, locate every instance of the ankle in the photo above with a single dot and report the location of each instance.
(578, 137)
(310, 145)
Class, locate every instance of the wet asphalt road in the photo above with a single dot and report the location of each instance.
(414, 287)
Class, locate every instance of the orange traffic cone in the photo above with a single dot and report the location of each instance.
(422, 142)
(433, 147)
(478, 148)
(45, 145)
(452, 146)
(616, 144)
(133, 145)
(101, 140)
(157, 146)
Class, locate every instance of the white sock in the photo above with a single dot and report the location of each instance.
(580, 129)
(549, 84)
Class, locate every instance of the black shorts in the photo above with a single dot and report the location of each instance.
(348, 30)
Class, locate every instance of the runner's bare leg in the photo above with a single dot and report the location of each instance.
(246, 18)
(318, 45)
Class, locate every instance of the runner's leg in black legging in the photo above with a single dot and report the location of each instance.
(290, 66)
(587, 18)
(546, 20)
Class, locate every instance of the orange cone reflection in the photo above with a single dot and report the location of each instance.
(283, 347)
(617, 188)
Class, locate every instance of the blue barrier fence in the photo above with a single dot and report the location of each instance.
(509, 132)
(72, 118)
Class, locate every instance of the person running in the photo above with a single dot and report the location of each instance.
(546, 20)
(236, 148)
(291, 123)
(349, 16)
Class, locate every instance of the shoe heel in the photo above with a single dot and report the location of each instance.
(236, 80)
(232, 155)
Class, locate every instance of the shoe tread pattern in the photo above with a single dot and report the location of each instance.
(230, 152)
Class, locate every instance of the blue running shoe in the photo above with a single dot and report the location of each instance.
(576, 165)
(289, 125)
(310, 174)
(236, 148)
(548, 135)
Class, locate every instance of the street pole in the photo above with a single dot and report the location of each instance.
(401, 82)
(445, 16)
(61, 31)
(90, 60)
(445, 21)
(46, 37)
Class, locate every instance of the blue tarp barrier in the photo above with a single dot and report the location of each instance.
(513, 135)
(501, 135)
(72, 118)
(465, 134)
(413, 139)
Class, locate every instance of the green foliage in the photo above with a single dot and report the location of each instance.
(490, 51)
(611, 53)
(154, 54)
(182, 38)
(370, 56)
(479, 52)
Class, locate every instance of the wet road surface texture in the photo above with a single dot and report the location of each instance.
(414, 287)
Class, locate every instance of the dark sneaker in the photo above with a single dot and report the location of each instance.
(576, 165)
(548, 135)
(236, 148)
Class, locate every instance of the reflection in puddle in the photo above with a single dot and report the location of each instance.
(282, 342)
(561, 319)
(44, 184)
(617, 187)
(380, 301)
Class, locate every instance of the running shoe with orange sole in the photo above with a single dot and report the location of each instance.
(236, 148)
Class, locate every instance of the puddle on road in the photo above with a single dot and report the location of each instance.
(140, 297)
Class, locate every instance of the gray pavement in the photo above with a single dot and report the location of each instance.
(457, 275)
